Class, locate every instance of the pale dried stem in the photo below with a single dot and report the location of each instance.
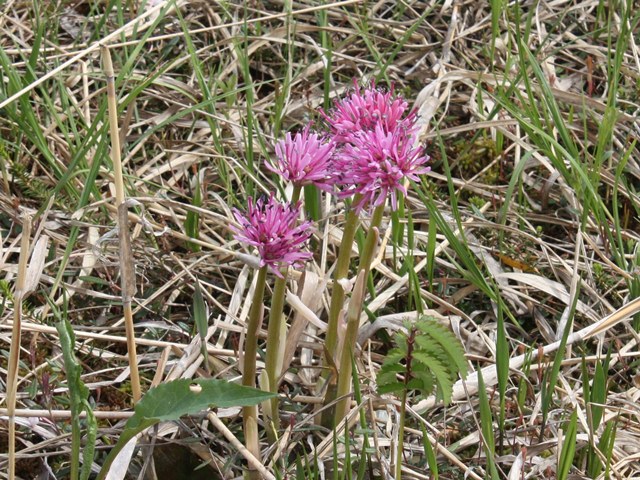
(242, 450)
(127, 275)
(14, 352)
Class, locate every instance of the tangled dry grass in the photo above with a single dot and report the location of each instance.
(535, 173)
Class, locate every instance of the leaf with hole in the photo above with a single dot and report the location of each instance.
(169, 401)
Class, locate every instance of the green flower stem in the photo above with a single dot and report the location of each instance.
(250, 414)
(274, 336)
(366, 257)
(274, 343)
(295, 196)
(353, 324)
(341, 271)
(346, 356)
(337, 302)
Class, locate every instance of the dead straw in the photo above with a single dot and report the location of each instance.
(127, 275)
(14, 352)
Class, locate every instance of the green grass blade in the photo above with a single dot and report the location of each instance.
(565, 460)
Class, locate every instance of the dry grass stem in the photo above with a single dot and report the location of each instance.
(127, 275)
(16, 335)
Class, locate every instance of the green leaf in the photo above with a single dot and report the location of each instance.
(426, 379)
(200, 318)
(79, 393)
(392, 387)
(441, 373)
(432, 347)
(192, 222)
(447, 340)
(88, 452)
(486, 422)
(169, 401)
(394, 356)
(429, 453)
(606, 444)
(568, 448)
(599, 391)
(200, 312)
(392, 368)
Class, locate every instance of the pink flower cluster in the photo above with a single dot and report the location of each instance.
(375, 164)
(363, 111)
(304, 159)
(377, 146)
(371, 150)
(270, 226)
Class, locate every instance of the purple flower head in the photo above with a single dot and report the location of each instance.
(304, 159)
(364, 110)
(270, 226)
(376, 163)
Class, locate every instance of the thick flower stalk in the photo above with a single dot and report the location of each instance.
(303, 159)
(272, 228)
(376, 155)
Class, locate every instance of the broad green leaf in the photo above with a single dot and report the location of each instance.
(169, 401)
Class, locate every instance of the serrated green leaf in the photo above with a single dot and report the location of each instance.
(394, 357)
(431, 347)
(448, 341)
(401, 342)
(416, 384)
(390, 388)
(169, 401)
(392, 367)
(441, 374)
(385, 378)
(427, 379)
